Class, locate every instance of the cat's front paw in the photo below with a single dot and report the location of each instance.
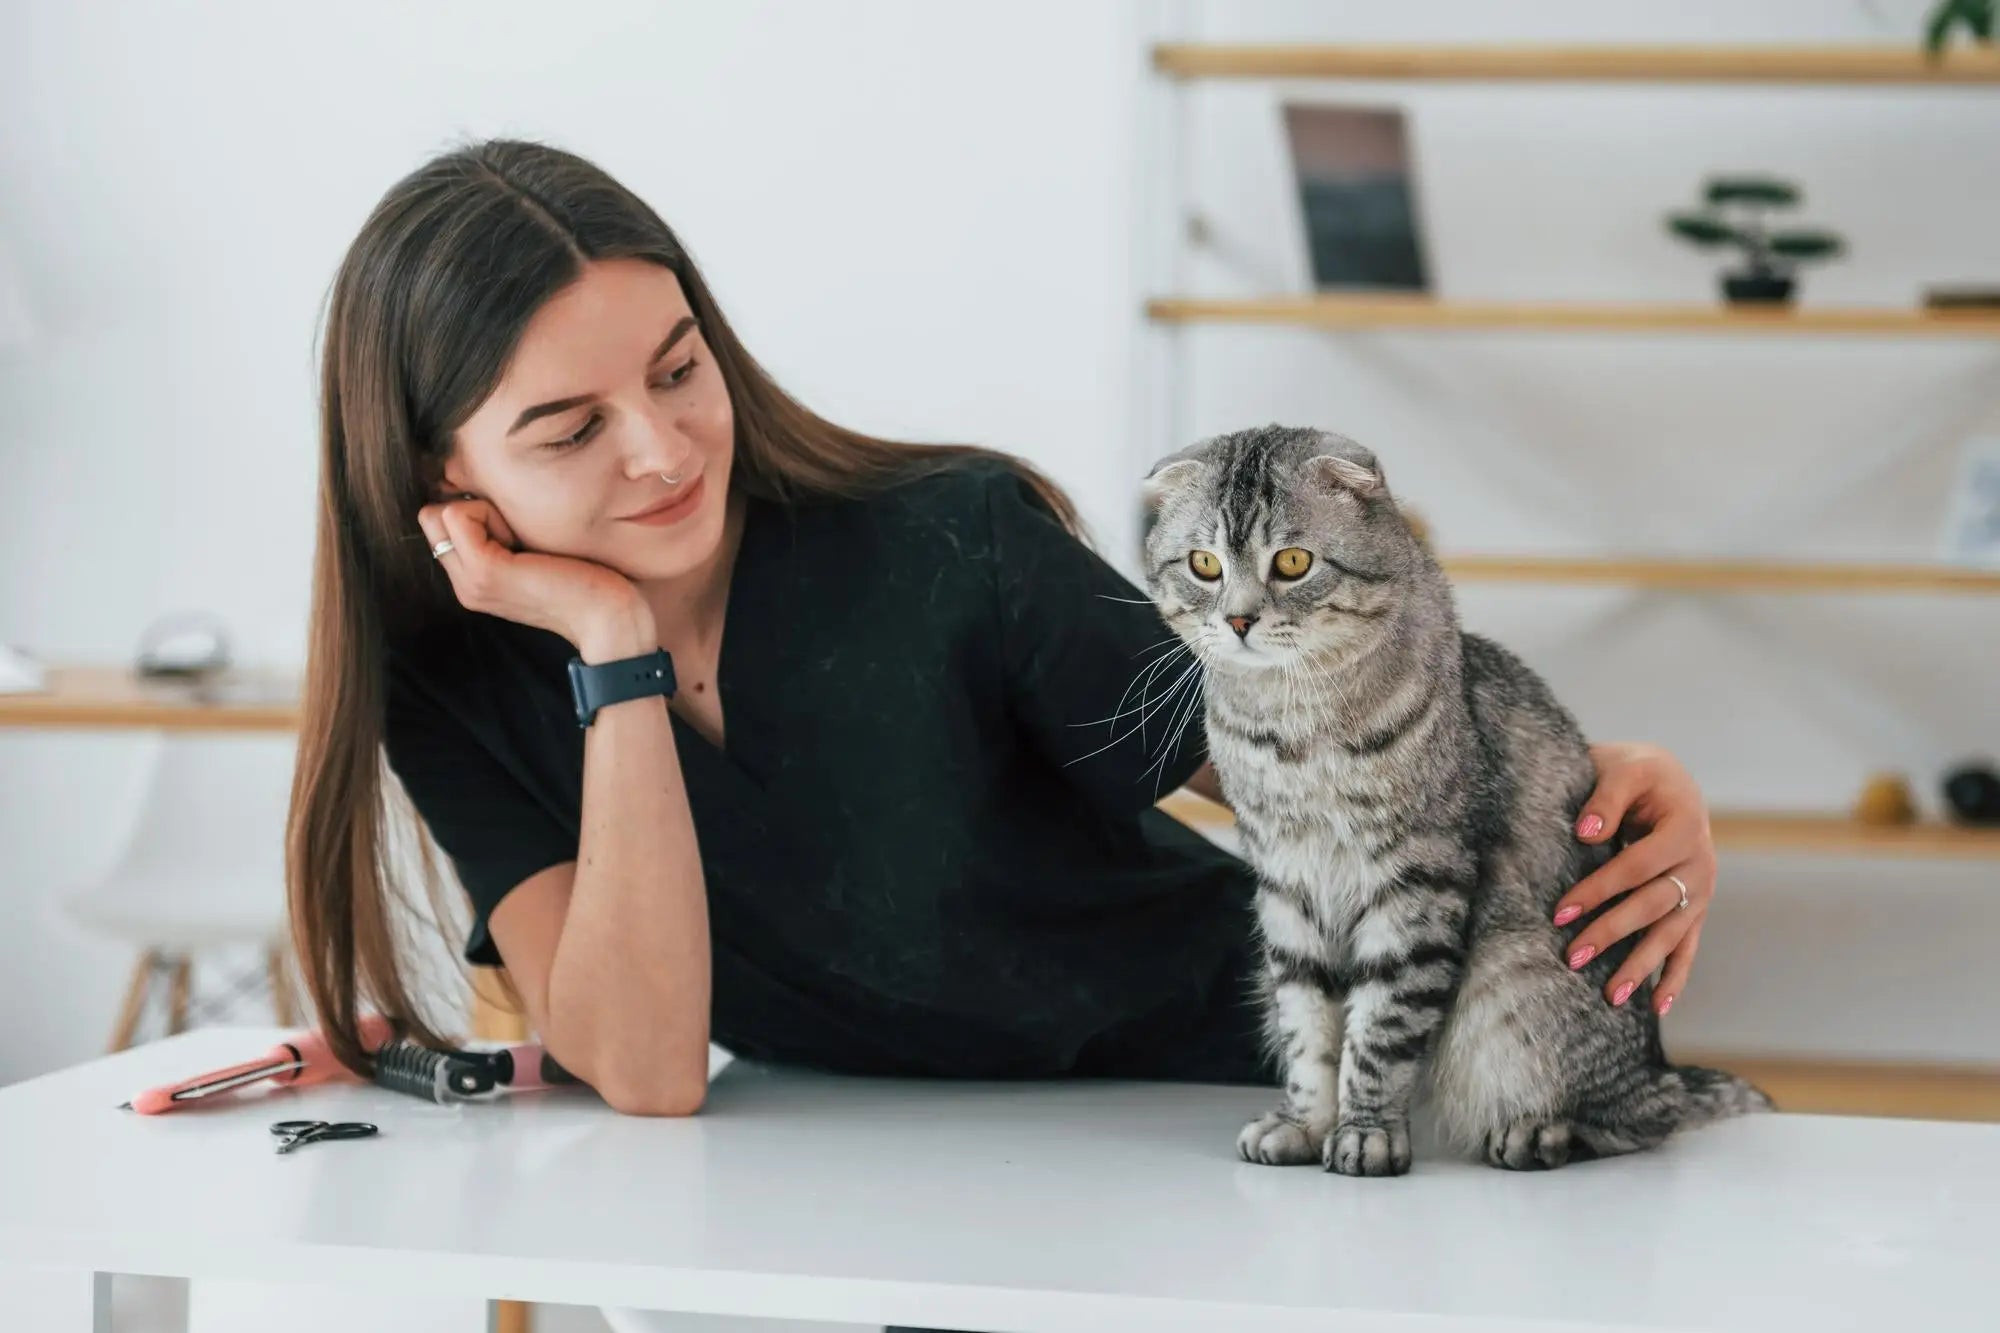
(1277, 1140)
(1358, 1149)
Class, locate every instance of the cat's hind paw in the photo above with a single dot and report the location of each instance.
(1358, 1149)
(1277, 1140)
(1529, 1145)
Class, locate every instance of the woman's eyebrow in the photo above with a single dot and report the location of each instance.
(549, 409)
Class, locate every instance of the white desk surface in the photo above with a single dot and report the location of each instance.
(1053, 1206)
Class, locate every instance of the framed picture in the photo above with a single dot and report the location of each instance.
(1356, 190)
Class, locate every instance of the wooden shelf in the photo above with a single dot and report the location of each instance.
(1903, 64)
(1702, 575)
(1399, 311)
(1865, 1087)
(1839, 835)
(113, 698)
(1752, 831)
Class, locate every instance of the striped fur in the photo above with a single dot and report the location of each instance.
(1406, 793)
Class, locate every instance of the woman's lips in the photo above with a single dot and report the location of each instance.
(676, 511)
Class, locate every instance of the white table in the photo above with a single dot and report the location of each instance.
(1060, 1206)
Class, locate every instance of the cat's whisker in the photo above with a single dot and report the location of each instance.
(1134, 729)
(1193, 705)
(1171, 638)
(1196, 698)
(1140, 681)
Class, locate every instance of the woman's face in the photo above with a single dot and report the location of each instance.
(611, 387)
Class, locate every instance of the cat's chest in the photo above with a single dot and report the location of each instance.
(1323, 855)
(1310, 823)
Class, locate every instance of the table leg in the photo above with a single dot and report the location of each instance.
(494, 1018)
(509, 1317)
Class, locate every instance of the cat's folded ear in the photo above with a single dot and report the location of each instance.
(1169, 476)
(1364, 479)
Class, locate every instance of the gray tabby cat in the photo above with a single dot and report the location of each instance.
(1406, 792)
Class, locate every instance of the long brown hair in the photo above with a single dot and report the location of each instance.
(428, 305)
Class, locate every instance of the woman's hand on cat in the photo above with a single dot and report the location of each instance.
(1647, 790)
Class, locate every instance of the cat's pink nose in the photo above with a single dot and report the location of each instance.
(1242, 624)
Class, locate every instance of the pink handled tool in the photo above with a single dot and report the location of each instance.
(298, 1061)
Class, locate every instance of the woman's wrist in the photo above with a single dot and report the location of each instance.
(617, 632)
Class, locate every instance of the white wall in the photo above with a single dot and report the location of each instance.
(924, 218)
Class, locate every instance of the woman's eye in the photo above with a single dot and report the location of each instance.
(674, 379)
(1292, 562)
(1205, 565)
(680, 373)
(580, 438)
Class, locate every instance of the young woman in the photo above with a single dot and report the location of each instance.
(896, 815)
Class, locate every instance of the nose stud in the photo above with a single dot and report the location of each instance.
(1242, 624)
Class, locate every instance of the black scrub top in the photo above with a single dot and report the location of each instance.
(925, 851)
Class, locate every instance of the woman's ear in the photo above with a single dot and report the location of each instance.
(451, 486)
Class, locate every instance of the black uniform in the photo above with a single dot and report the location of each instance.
(924, 853)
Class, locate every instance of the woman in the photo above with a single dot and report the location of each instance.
(919, 839)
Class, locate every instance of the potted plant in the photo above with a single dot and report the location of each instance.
(1975, 16)
(1735, 216)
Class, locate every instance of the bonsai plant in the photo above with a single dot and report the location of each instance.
(1735, 216)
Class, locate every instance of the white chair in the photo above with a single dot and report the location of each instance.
(203, 872)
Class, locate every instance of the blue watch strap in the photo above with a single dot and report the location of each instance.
(595, 685)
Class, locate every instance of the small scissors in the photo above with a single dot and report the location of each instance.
(295, 1133)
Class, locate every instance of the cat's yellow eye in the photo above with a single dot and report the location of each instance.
(1292, 562)
(1205, 565)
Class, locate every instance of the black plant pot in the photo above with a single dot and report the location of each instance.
(1757, 288)
(1973, 794)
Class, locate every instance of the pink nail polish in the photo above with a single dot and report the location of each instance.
(1582, 956)
(1623, 993)
(1589, 826)
(1568, 914)
(1666, 1003)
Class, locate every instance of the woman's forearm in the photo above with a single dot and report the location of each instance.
(628, 993)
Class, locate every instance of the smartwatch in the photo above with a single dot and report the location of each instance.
(599, 684)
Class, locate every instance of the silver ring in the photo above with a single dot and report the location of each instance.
(1682, 886)
(674, 480)
(441, 550)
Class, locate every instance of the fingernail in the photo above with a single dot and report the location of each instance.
(1589, 826)
(1623, 993)
(1582, 956)
(1666, 1003)
(1568, 914)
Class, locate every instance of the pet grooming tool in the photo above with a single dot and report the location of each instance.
(436, 1076)
(298, 1061)
(520, 1068)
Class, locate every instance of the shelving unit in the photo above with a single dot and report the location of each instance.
(1424, 312)
(1182, 63)
(1752, 831)
(1594, 64)
(1737, 576)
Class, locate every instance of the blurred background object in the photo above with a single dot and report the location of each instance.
(201, 878)
(1735, 214)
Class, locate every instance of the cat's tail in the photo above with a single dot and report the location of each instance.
(1714, 1094)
